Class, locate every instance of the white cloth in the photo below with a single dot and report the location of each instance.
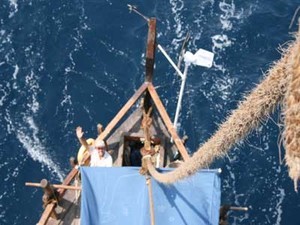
(105, 161)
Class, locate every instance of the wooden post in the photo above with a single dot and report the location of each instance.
(67, 187)
(150, 58)
(47, 188)
(49, 195)
(166, 119)
(150, 51)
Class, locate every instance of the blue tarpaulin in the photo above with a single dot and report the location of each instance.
(119, 196)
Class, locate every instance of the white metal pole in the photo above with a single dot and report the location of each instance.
(183, 79)
(170, 60)
(180, 94)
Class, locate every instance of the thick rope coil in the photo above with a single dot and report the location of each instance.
(256, 107)
(291, 115)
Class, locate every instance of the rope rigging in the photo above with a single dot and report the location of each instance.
(255, 108)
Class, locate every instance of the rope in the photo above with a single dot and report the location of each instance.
(151, 204)
(55, 194)
(256, 107)
(47, 199)
(46, 202)
(291, 134)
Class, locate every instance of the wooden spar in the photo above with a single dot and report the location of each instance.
(150, 52)
(163, 113)
(123, 111)
(49, 209)
(68, 180)
(150, 58)
(46, 214)
(67, 187)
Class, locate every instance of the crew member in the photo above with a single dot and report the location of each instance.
(99, 155)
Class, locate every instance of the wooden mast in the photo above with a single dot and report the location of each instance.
(147, 105)
(150, 52)
(150, 58)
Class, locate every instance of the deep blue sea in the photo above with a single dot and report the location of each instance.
(69, 63)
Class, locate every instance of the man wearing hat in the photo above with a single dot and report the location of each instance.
(99, 155)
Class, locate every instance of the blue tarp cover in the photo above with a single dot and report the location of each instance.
(119, 196)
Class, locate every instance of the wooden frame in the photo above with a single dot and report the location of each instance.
(166, 119)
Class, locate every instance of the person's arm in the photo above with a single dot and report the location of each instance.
(79, 134)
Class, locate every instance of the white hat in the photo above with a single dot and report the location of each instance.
(99, 143)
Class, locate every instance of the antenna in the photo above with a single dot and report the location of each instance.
(200, 58)
(133, 8)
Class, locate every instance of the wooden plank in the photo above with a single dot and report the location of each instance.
(67, 209)
(123, 111)
(46, 214)
(68, 180)
(54, 185)
(119, 161)
(166, 119)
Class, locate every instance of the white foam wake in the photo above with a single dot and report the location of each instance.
(35, 148)
(26, 130)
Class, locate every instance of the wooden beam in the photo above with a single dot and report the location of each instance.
(50, 207)
(67, 187)
(150, 51)
(46, 214)
(166, 119)
(68, 180)
(150, 59)
(123, 111)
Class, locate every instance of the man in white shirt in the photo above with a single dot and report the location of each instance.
(99, 155)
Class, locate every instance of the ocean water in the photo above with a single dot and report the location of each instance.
(69, 63)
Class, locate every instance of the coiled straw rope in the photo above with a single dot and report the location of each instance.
(256, 107)
(291, 115)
